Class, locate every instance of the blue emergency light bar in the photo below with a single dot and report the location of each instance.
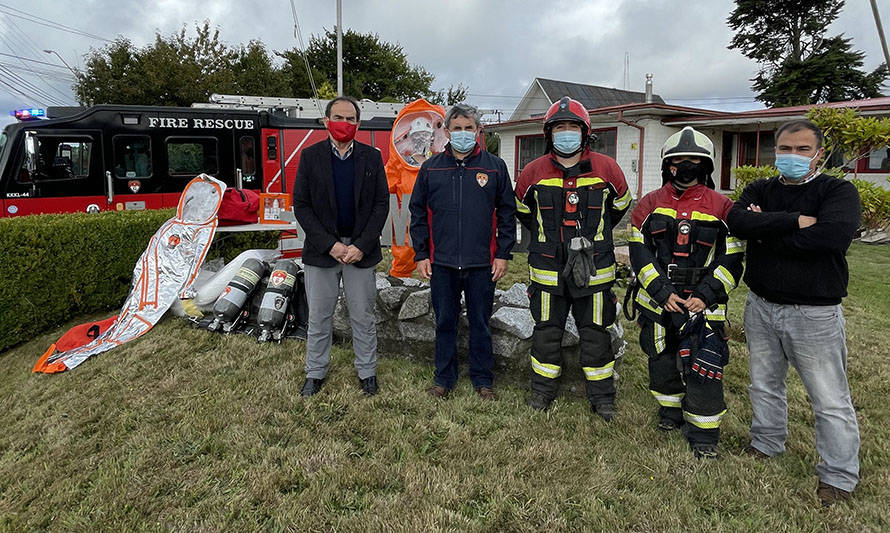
(28, 114)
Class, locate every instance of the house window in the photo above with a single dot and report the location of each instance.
(878, 160)
(754, 153)
(606, 142)
(534, 146)
(530, 148)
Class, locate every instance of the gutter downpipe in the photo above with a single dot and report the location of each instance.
(640, 162)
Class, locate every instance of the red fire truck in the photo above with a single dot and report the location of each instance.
(115, 157)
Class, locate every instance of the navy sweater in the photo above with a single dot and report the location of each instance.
(344, 191)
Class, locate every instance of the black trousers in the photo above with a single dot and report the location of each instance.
(681, 396)
(593, 314)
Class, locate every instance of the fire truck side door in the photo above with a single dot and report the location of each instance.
(60, 171)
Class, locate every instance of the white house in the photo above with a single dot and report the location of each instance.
(632, 130)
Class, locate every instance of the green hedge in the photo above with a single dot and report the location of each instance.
(56, 267)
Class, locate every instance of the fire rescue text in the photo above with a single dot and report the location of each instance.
(206, 123)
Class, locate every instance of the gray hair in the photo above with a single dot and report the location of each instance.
(462, 110)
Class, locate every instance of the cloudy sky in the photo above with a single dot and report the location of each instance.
(494, 47)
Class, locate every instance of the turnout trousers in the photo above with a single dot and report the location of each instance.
(681, 395)
(593, 313)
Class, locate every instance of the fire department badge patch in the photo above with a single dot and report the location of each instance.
(173, 241)
(134, 185)
(481, 179)
(277, 277)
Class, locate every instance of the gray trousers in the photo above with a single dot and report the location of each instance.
(322, 290)
(811, 338)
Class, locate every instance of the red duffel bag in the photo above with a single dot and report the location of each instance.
(239, 206)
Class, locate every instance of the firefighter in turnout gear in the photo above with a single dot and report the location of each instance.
(569, 200)
(685, 264)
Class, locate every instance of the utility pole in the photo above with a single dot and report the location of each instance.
(874, 9)
(339, 47)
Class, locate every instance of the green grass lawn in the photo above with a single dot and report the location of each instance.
(188, 430)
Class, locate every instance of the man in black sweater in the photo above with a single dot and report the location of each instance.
(799, 225)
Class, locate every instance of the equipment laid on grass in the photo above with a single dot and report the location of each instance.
(272, 314)
(163, 274)
(228, 308)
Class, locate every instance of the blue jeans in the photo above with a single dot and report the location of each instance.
(446, 286)
(812, 338)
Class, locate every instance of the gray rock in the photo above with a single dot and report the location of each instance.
(570, 337)
(411, 282)
(879, 237)
(416, 304)
(510, 347)
(515, 296)
(417, 331)
(515, 321)
(391, 297)
(382, 282)
(380, 314)
(341, 318)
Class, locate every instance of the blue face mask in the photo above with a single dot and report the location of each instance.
(567, 142)
(793, 166)
(463, 141)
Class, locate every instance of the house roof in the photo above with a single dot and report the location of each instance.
(592, 96)
(682, 116)
(868, 106)
(611, 113)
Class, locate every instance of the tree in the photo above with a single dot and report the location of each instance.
(372, 68)
(855, 136)
(798, 63)
(849, 133)
(181, 69)
(453, 95)
(176, 71)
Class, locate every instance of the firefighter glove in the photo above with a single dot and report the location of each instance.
(711, 356)
(578, 265)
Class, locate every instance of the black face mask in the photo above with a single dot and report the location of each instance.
(687, 172)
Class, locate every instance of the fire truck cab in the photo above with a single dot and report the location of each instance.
(115, 157)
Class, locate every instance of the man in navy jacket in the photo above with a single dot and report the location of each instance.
(463, 227)
(341, 200)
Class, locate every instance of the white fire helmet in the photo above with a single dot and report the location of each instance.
(421, 124)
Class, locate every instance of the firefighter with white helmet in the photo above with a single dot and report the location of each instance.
(421, 136)
(569, 200)
(685, 263)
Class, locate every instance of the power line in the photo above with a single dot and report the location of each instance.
(13, 46)
(30, 98)
(31, 87)
(55, 65)
(44, 72)
(24, 15)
